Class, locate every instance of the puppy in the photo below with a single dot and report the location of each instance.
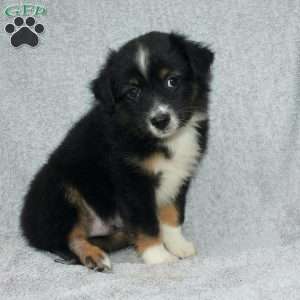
(123, 171)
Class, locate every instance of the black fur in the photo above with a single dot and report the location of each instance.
(95, 156)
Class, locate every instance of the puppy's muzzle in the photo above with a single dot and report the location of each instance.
(161, 120)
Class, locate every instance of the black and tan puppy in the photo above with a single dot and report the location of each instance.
(124, 169)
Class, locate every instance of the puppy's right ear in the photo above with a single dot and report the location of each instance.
(102, 86)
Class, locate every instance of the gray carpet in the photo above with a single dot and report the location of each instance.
(244, 206)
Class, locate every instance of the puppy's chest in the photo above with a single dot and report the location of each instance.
(172, 170)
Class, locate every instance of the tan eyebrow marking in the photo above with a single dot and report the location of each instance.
(164, 72)
(133, 81)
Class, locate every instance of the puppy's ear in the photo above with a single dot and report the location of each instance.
(102, 86)
(199, 56)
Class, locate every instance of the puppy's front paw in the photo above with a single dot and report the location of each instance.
(157, 255)
(182, 248)
(176, 243)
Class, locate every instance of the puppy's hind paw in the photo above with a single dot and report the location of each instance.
(99, 265)
(97, 260)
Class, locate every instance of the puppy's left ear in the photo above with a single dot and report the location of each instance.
(200, 57)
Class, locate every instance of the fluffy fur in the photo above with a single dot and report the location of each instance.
(132, 154)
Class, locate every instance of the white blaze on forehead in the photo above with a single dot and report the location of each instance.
(142, 59)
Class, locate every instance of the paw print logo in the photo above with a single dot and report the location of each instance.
(24, 34)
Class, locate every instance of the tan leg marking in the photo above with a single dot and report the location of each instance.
(77, 200)
(152, 250)
(89, 255)
(143, 242)
(168, 214)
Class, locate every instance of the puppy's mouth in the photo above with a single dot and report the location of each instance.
(163, 122)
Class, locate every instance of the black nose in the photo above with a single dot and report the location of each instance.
(161, 120)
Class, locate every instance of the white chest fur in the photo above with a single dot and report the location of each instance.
(185, 152)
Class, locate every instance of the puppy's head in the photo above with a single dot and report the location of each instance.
(155, 83)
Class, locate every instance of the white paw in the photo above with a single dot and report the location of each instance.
(182, 248)
(157, 255)
(106, 262)
(176, 243)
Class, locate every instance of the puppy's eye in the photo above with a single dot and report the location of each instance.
(133, 93)
(173, 82)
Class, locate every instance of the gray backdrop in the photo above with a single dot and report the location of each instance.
(243, 209)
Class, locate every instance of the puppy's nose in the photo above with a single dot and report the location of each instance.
(160, 120)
